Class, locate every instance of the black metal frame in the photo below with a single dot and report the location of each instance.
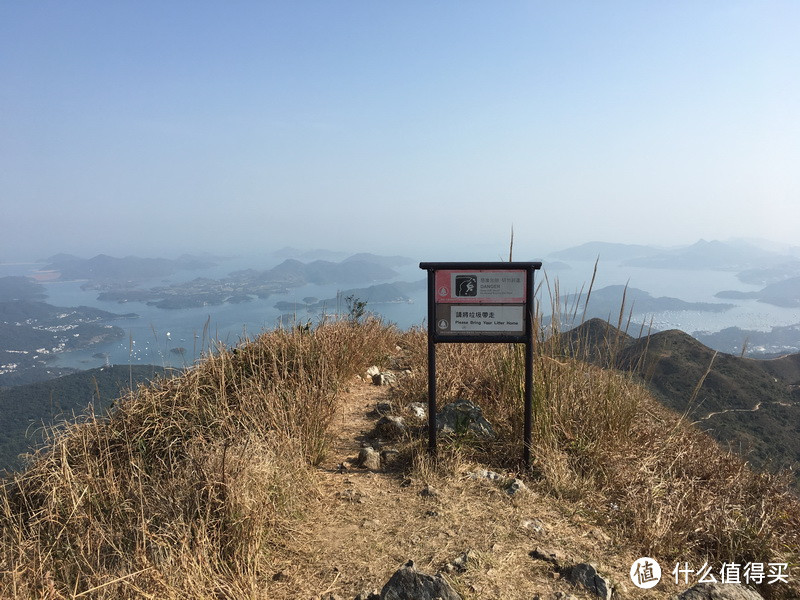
(525, 338)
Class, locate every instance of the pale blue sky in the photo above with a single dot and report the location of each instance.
(416, 127)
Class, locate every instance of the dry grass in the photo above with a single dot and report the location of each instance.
(201, 486)
(602, 443)
(190, 484)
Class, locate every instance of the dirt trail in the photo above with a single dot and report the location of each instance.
(365, 525)
(730, 410)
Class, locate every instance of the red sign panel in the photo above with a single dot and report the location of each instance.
(481, 286)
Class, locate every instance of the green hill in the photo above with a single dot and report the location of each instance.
(751, 405)
(27, 409)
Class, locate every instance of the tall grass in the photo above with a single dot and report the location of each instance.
(185, 488)
(600, 440)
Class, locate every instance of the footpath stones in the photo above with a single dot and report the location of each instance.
(409, 584)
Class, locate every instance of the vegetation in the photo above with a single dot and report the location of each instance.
(29, 410)
(188, 486)
(602, 441)
(196, 486)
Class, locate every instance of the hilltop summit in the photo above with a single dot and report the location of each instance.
(241, 478)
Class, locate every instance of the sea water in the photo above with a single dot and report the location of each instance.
(155, 335)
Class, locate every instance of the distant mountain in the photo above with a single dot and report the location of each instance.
(772, 274)
(605, 302)
(751, 405)
(713, 255)
(385, 261)
(383, 293)
(780, 340)
(606, 251)
(28, 408)
(294, 272)
(307, 255)
(131, 268)
(785, 293)
(554, 265)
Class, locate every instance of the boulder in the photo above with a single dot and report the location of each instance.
(586, 576)
(463, 416)
(718, 591)
(409, 584)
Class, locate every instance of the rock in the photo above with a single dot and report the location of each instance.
(365, 595)
(718, 591)
(463, 416)
(409, 584)
(484, 474)
(429, 492)
(586, 576)
(391, 427)
(534, 525)
(389, 457)
(516, 486)
(551, 555)
(417, 410)
(383, 408)
(368, 458)
(352, 495)
(372, 371)
(384, 378)
(459, 564)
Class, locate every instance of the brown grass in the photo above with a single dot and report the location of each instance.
(603, 443)
(190, 484)
(197, 486)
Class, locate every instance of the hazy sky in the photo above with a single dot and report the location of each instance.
(417, 127)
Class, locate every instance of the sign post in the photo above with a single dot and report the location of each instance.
(483, 302)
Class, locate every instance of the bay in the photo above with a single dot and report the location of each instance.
(157, 334)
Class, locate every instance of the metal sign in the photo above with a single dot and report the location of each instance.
(480, 302)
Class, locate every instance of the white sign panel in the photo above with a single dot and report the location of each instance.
(486, 318)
